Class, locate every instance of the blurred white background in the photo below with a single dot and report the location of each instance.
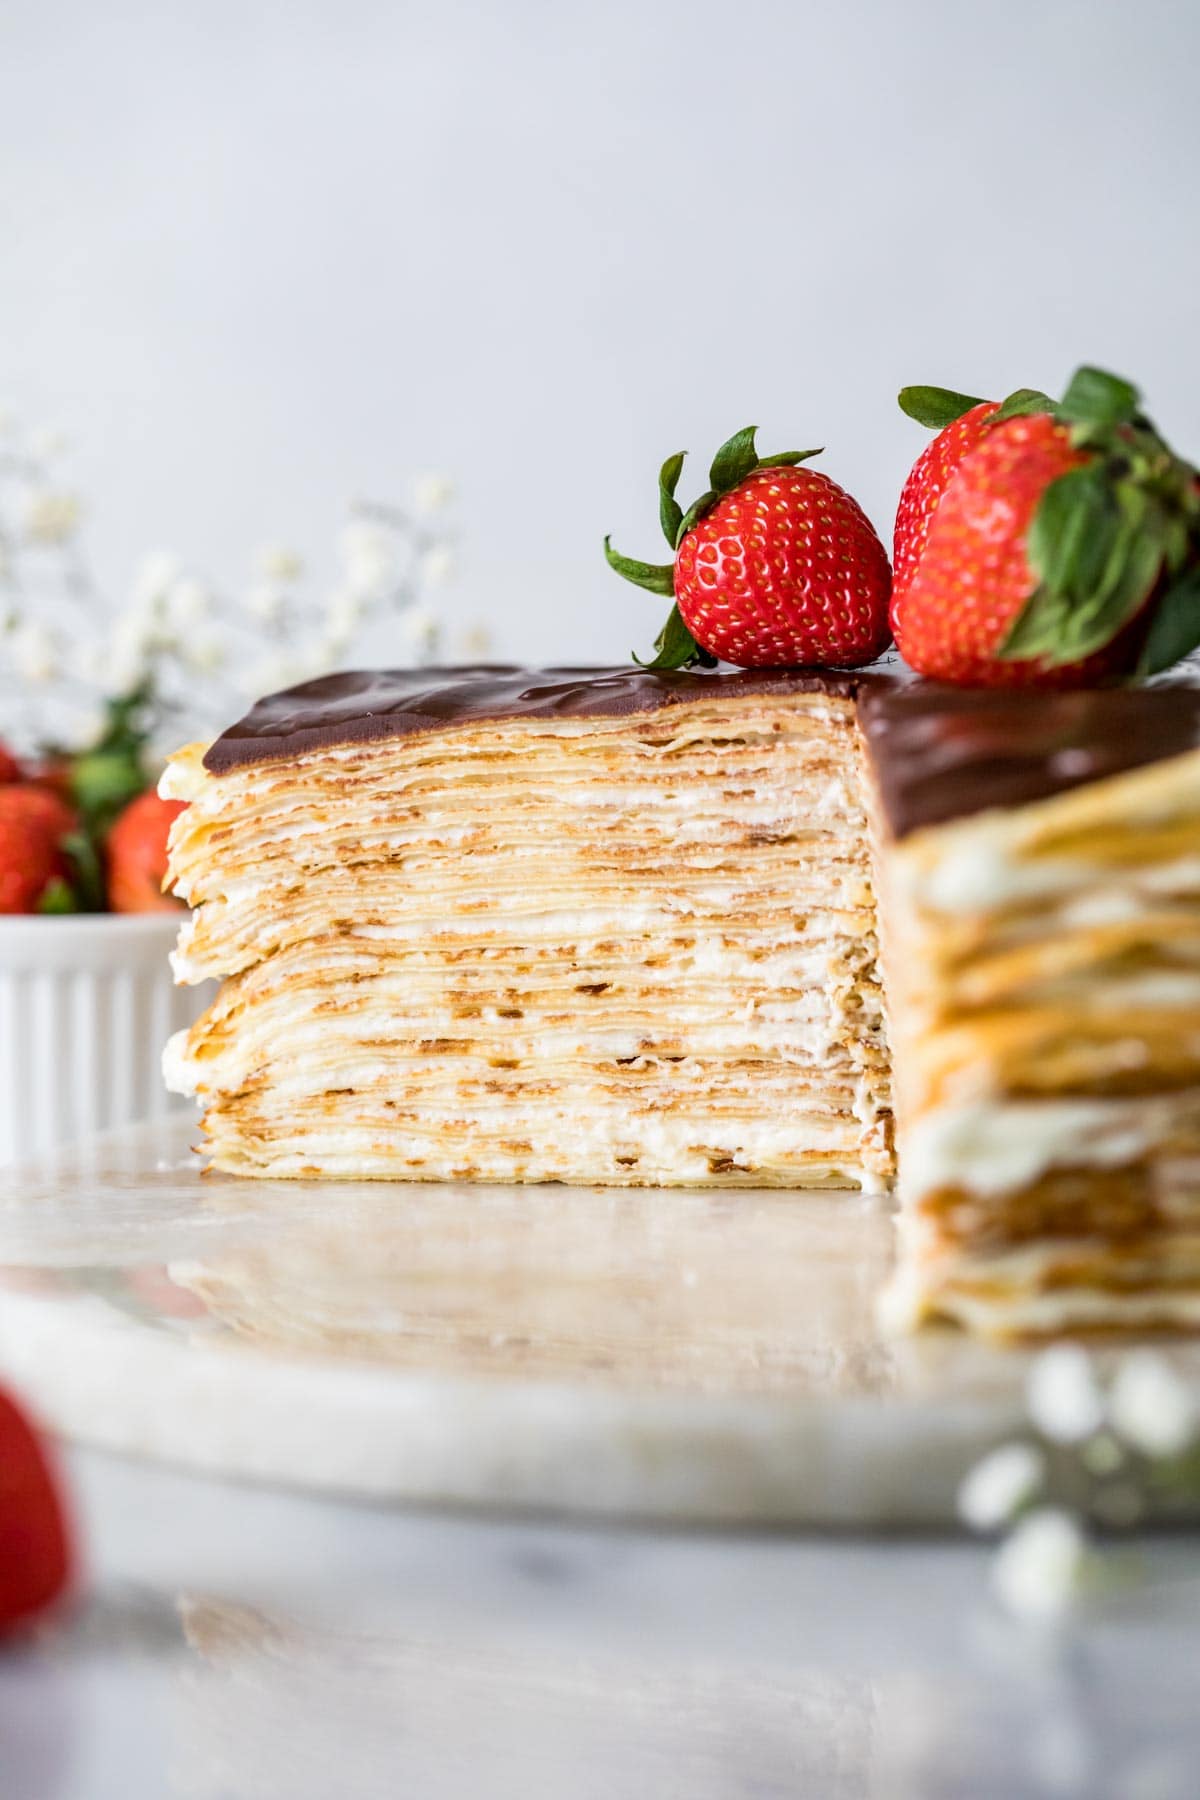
(258, 258)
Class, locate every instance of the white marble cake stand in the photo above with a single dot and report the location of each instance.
(667, 1355)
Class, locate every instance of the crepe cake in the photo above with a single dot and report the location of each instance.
(598, 927)
(614, 927)
(1038, 868)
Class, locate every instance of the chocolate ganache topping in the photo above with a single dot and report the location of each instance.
(364, 707)
(941, 753)
(938, 753)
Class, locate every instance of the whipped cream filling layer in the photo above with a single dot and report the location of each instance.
(997, 1147)
(1014, 1299)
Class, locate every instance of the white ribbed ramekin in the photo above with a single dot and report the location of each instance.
(86, 1005)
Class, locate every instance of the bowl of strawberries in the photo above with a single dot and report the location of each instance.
(87, 998)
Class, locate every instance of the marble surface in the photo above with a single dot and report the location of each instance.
(682, 1356)
(236, 1643)
(240, 1641)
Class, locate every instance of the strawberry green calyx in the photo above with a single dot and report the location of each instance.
(935, 407)
(1117, 534)
(675, 647)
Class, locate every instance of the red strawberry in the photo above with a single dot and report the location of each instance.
(33, 824)
(10, 768)
(927, 482)
(1064, 549)
(775, 566)
(35, 1548)
(136, 855)
(51, 771)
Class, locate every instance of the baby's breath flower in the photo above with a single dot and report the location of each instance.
(125, 658)
(1039, 1569)
(266, 601)
(419, 627)
(476, 643)
(333, 647)
(1063, 1395)
(188, 602)
(1102, 1455)
(204, 652)
(34, 652)
(275, 562)
(344, 610)
(82, 728)
(999, 1485)
(174, 641)
(432, 492)
(51, 516)
(155, 576)
(1150, 1406)
(267, 675)
(369, 555)
(437, 565)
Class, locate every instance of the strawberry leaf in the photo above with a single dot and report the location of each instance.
(86, 870)
(787, 459)
(736, 459)
(1037, 628)
(1175, 628)
(1098, 549)
(695, 511)
(669, 510)
(676, 648)
(1072, 530)
(1094, 397)
(1137, 565)
(657, 578)
(935, 407)
(1021, 404)
(105, 780)
(57, 897)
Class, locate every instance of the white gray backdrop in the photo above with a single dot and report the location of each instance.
(258, 257)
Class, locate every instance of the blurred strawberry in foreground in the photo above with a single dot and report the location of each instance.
(10, 768)
(135, 856)
(35, 1548)
(1054, 544)
(34, 868)
(775, 566)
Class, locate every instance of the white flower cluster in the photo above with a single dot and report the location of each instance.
(198, 651)
(1117, 1434)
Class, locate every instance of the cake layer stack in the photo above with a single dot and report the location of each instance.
(1039, 873)
(575, 926)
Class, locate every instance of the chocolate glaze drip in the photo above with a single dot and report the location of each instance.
(941, 753)
(365, 707)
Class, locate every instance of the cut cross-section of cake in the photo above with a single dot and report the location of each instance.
(615, 927)
(567, 925)
(1039, 873)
